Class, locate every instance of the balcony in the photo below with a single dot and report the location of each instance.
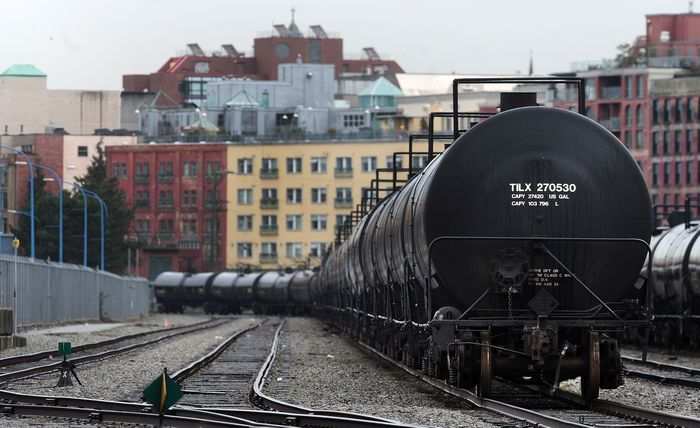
(268, 230)
(268, 257)
(610, 92)
(166, 206)
(269, 174)
(343, 173)
(188, 242)
(343, 203)
(612, 124)
(269, 203)
(165, 178)
(141, 179)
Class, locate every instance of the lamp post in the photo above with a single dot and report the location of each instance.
(59, 181)
(32, 221)
(103, 213)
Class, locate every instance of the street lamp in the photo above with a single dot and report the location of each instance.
(59, 181)
(103, 212)
(31, 196)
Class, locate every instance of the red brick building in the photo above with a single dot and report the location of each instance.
(183, 78)
(178, 193)
(672, 40)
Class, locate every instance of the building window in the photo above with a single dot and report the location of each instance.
(341, 220)
(213, 169)
(245, 223)
(166, 226)
(143, 226)
(343, 164)
(640, 116)
(269, 222)
(294, 250)
(245, 196)
(640, 139)
(688, 141)
(318, 195)
(629, 90)
(667, 111)
(679, 110)
(83, 151)
(654, 143)
(667, 173)
(293, 165)
(654, 174)
(655, 112)
(245, 166)
(268, 249)
(628, 116)
(640, 86)
(319, 165)
(119, 170)
(319, 222)
(142, 199)
(688, 172)
(369, 163)
(294, 222)
(165, 199)
(390, 161)
(627, 139)
(317, 249)
(245, 250)
(419, 162)
(269, 195)
(189, 169)
(353, 120)
(667, 136)
(678, 172)
(677, 142)
(189, 198)
(142, 170)
(165, 170)
(294, 196)
(343, 194)
(269, 166)
(689, 113)
(189, 228)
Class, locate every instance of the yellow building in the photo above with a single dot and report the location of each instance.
(286, 199)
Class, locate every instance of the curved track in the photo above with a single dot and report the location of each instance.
(656, 371)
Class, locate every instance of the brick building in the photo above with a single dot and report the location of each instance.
(184, 78)
(179, 202)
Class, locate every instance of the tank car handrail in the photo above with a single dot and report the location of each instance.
(638, 241)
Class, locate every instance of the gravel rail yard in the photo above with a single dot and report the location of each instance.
(319, 369)
(125, 377)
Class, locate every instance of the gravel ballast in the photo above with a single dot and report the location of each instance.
(43, 342)
(317, 368)
(124, 377)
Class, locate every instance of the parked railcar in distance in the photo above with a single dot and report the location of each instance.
(300, 292)
(221, 295)
(168, 291)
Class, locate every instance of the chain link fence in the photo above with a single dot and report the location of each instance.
(50, 293)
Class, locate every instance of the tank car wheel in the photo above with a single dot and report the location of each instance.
(485, 375)
(590, 380)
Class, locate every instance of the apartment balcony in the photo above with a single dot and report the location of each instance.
(610, 92)
(343, 173)
(612, 124)
(268, 258)
(189, 242)
(343, 203)
(142, 179)
(268, 230)
(269, 174)
(165, 178)
(270, 203)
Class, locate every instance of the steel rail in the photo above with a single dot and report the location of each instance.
(41, 355)
(666, 380)
(115, 416)
(47, 368)
(260, 399)
(662, 366)
(503, 409)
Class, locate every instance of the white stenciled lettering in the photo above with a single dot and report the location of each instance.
(540, 194)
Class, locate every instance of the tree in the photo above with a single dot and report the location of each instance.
(119, 216)
(627, 56)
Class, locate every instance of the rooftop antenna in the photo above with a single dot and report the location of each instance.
(690, 6)
(294, 11)
(531, 70)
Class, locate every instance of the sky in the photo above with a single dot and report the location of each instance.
(90, 44)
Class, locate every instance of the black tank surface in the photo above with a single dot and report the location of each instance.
(534, 171)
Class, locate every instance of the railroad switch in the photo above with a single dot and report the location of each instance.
(67, 368)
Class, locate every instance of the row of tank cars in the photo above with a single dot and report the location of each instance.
(233, 292)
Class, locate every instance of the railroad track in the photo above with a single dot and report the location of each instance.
(563, 410)
(665, 373)
(191, 413)
(31, 365)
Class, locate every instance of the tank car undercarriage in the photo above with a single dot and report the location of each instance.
(471, 353)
